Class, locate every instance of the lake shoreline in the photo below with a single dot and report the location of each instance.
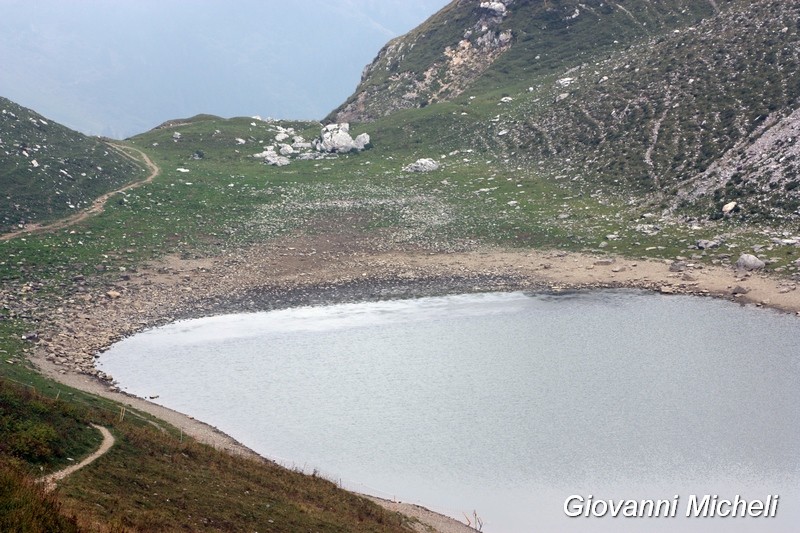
(316, 271)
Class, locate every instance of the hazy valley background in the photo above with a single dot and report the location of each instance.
(120, 68)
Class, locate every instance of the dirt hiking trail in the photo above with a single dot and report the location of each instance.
(98, 206)
(108, 441)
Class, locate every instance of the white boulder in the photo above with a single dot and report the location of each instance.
(361, 141)
(705, 244)
(750, 262)
(276, 160)
(422, 165)
(271, 158)
(336, 138)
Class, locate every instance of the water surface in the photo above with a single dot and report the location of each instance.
(504, 403)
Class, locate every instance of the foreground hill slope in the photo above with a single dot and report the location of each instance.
(680, 107)
(48, 171)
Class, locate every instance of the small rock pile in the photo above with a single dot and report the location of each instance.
(333, 139)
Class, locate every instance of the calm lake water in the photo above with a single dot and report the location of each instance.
(503, 403)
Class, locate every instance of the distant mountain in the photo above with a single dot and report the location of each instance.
(48, 171)
(684, 106)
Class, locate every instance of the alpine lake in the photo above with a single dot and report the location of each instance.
(520, 409)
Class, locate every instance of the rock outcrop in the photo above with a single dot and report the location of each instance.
(396, 80)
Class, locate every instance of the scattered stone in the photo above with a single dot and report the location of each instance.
(604, 262)
(272, 158)
(678, 266)
(422, 165)
(704, 244)
(727, 208)
(648, 229)
(666, 289)
(739, 290)
(113, 295)
(750, 262)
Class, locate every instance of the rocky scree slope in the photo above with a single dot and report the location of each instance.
(48, 171)
(501, 42)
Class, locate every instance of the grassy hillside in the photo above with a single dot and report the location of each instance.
(176, 483)
(48, 171)
(24, 505)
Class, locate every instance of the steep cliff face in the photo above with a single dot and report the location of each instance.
(503, 41)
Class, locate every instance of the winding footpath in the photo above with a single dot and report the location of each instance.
(98, 206)
(50, 480)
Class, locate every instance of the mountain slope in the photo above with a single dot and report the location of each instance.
(700, 117)
(680, 107)
(48, 171)
(502, 42)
